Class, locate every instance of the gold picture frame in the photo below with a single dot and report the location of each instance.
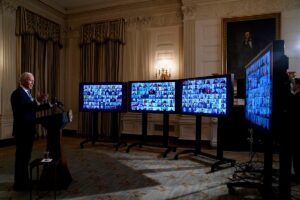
(244, 37)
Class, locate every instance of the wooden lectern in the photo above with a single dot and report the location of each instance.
(57, 173)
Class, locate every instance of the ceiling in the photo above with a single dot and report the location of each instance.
(77, 6)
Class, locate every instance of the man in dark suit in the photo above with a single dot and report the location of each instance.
(24, 108)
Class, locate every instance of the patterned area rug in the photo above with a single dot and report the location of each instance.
(100, 172)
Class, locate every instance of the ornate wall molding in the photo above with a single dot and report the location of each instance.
(138, 21)
(170, 19)
(9, 6)
(235, 8)
(144, 20)
(136, 14)
(130, 22)
(189, 12)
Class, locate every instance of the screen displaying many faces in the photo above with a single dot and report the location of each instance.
(204, 96)
(258, 106)
(102, 97)
(153, 96)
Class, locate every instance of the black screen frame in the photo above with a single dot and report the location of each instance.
(130, 83)
(229, 95)
(279, 86)
(123, 107)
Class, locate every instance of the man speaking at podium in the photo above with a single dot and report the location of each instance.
(24, 108)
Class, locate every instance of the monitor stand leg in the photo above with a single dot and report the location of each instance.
(140, 144)
(88, 140)
(120, 144)
(168, 150)
(222, 161)
(185, 152)
(114, 130)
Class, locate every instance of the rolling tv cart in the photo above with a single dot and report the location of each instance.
(114, 130)
(197, 150)
(143, 141)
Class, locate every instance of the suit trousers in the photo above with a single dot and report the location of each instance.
(24, 142)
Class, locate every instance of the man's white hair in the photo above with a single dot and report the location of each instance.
(24, 76)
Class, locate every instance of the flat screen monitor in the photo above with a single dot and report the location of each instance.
(102, 97)
(207, 96)
(153, 96)
(265, 84)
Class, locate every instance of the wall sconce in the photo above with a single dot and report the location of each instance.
(163, 74)
(163, 70)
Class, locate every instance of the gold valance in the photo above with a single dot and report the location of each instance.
(101, 31)
(28, 22)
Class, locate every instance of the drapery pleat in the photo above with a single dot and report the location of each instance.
(101, 61)
(87, 71)
(39, 45)
(31, 23)
(40, 50)
(103, 31)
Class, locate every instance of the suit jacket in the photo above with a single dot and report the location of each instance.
(24, 112)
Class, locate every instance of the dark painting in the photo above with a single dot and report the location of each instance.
(244, 38)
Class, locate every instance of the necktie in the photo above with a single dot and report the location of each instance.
(29, 94)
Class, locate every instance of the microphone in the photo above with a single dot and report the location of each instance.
(59, 103)
(56, 102)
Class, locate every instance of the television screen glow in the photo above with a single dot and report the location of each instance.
(258, 108)
(102, 96)
(152, 96)
(210, 96)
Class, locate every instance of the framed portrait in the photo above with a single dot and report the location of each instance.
(244, 38)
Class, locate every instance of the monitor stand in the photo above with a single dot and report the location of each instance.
(197, 151)
(114, 130)
(143, 142)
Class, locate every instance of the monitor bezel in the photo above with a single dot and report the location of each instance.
(229, 94)
(151, 111)
(251, 124)
(123, 107)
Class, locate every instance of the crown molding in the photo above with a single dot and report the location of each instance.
(105, 4)
(205, 2)
(79, 6)
(42, 9)
(150, 8)
(54, 6)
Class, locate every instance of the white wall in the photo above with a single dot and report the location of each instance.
(208, 46)
(291, 35)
